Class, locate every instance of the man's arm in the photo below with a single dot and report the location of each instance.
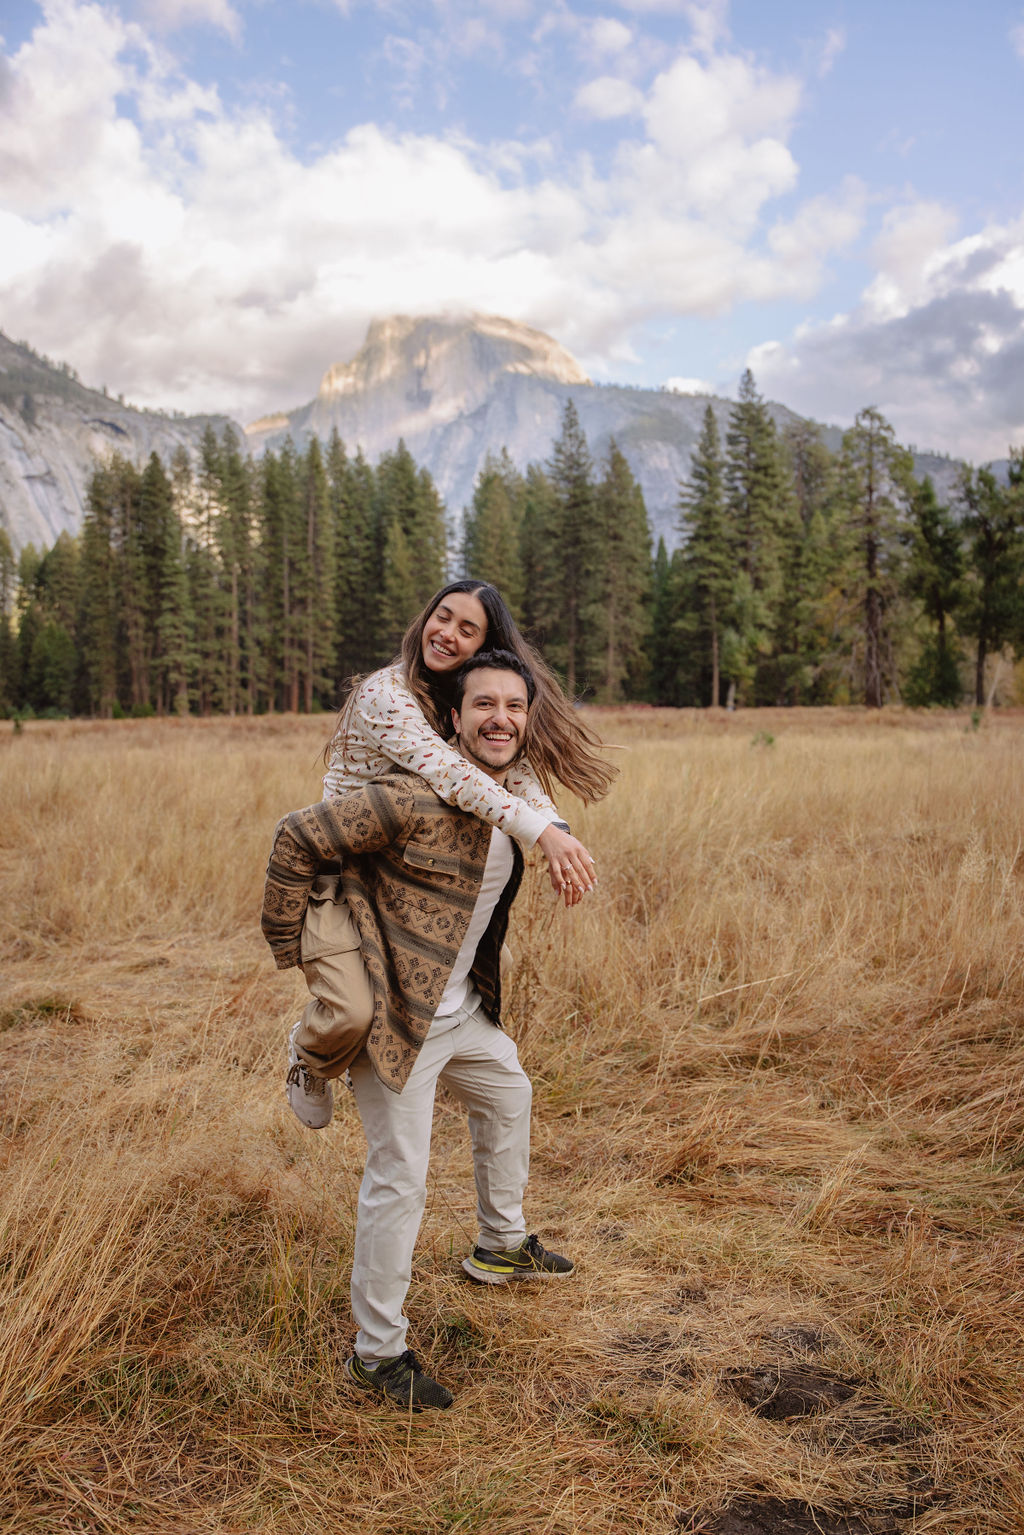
(360, 822)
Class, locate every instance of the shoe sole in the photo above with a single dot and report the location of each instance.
(305, 1123)
(293, 1060)
(511, 1276)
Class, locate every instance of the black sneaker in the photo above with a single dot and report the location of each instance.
(527, 1261)
(400, 1380)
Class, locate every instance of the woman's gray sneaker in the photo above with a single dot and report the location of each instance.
(401, 1381)
(310, 1097)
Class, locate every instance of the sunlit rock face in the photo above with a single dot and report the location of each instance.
(52, 433)
(455, 388)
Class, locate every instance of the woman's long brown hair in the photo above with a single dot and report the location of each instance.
(559, 747)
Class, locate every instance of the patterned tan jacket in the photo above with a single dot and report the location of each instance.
(411, 869)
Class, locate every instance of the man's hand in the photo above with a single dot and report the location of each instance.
(570, 866)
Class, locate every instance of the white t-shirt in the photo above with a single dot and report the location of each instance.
(460, 991)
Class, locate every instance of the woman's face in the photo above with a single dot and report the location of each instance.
(454, 631)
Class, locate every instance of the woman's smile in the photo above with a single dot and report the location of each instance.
(454, 631)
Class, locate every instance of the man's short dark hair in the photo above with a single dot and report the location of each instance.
(494, 660)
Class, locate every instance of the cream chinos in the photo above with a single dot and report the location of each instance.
(479, 1065)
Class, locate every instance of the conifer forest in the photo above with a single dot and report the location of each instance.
(801, 576)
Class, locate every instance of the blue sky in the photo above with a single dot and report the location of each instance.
(204, 202)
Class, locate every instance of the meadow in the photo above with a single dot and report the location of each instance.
(779, 1123)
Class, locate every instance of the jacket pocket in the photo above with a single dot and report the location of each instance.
(432, 875)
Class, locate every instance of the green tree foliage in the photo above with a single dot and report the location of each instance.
(492, 542)
(314, 592)
(618, 616)
(283, 535)
(411, 545)
(227, 586)
(877, 489)
(935, 576)
(707, 567)
(175, 621)
(50, 664)
(98, 627)
(231, 491)
(536, 549)
(562, 553)
(993, 611)
(759, 504)
(666, 649)
(9, 670)
(351, 495)
(809, 632)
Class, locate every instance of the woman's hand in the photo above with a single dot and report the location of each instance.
(570, 866)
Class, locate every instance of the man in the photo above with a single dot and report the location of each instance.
(430, 889)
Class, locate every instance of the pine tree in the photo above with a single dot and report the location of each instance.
(759, 502)
(934, 575)
(707, 563)
(9, 678)
(175, 626)
(563, 537)
(400, 589)
(666, 659)
(993, 610)
(410, 531)
(351, 496)
(536, 553)
(877, 490)
(229, 484)
(284, 536)
(809, 616)
(98, 625)
(51, 679)
(314, 582)
(492, 530)
(619, 610)
(130, 543)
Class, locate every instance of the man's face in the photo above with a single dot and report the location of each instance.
(492, 719)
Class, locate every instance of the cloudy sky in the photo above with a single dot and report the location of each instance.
(203, 202)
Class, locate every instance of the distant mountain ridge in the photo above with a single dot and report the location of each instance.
(453, 387)
(52, 431)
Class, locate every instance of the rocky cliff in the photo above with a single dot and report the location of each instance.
(456, 388)
(52, 432)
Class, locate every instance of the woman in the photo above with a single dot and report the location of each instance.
(401, 715)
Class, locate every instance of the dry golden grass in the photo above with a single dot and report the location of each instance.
(779, 1123)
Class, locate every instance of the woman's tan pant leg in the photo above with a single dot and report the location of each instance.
(337, 1018)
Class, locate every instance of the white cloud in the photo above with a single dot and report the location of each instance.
(606, 97)
(607, 35)
(831, 48)
(690, 385)
(907, 254)
(182, 251)
(1017, 39)
(169, 15)
(717, 138)
(937, 342)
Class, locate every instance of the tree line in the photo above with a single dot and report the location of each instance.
(227, 585)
